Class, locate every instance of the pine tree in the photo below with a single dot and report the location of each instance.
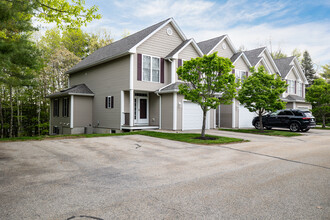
(307, 66)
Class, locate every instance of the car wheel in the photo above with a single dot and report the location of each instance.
(305, 129)
(294, 127)
(269, 128)
(257, 125)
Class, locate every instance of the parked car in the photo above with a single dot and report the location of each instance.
(294, 119)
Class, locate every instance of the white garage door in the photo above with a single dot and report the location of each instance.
(193, 116)
(245, 117)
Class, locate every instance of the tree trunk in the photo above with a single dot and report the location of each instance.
(1, 115)
(18, 115)
(260, 121)
(323, 121)
(204, 122)
(11, 111)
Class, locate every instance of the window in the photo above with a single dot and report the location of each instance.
(299, 89)
(56, 107)
(291, 86)
(150, 68)
(296, 113)
(240, 75)
(285, 113)
(109, 102)
(65, 107)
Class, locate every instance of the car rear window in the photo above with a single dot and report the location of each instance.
(308, 114)
(298, 113)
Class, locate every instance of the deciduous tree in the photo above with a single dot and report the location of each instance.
(208, 82)
(260, 93)
(319, 95)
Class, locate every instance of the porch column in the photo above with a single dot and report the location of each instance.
(233, 114)
(71, 112)
(131, 107)
(175, 118)
(173, 71)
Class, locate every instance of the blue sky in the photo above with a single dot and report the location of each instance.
(302, 24)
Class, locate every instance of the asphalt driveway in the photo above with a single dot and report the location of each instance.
(139, 177)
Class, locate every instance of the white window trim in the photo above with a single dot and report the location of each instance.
(151, 69)
(109, 102)
(291, 89)
(240, 71)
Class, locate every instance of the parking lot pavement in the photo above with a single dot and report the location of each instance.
(141, 177)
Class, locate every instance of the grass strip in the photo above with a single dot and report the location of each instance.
(266, 132)
(183, 137)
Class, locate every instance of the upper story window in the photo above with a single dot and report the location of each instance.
(291, 86)
(299, 89)
(240, 75)
(56, 108)
(150, 68)
(65, 107)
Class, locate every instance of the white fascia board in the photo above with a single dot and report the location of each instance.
(244, 58)
(266, 66)
(272, 61)
(297, 65)
(295, 72)
(228, 42)
(96, 63)
(194, 44)
(81, 94)
(176, 27)
(288, 74)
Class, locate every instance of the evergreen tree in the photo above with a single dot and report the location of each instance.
(307, 66)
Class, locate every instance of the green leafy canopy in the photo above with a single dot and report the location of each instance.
(206, 78)
(261, 91)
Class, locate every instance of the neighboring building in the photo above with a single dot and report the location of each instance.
(132, 84)
(294, 76)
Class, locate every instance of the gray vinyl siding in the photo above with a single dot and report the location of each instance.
(188, 53)
(289, 105)
(108, 79)
(167, 111)
(241, 65)
(153, 109)
(223, 52)
(151, 86)
(160, 44)
(236, 113)
(226, 116)
(61, 122)
(291, 76)
(268, 62)
(82, 111)
(180, 99)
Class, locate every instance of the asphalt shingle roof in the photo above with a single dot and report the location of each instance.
(295, 98)
(116, 48)
(170, 55)
(235, 57)
(284, 66)
(80, 89)
(253, 55)
(208, 45)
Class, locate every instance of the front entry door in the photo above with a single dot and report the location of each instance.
(141, 110)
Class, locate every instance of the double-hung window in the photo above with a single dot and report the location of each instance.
(65, 107)
(240, 75)
(299, 89)
(291, 87)
(56, 108)
(150, 68)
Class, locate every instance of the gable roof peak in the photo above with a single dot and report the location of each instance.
(207, 45)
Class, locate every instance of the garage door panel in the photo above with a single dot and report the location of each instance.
(193, 116)
(245, 117)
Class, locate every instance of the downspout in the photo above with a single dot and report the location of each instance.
(160, 110)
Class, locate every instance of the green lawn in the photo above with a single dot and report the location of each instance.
(190, 138)
(266, 132)
(183, 137)
(326, 128)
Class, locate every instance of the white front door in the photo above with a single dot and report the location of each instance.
(141, 110)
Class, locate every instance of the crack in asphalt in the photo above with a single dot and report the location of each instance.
(275, 157)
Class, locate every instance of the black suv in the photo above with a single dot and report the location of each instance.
(289, 118)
